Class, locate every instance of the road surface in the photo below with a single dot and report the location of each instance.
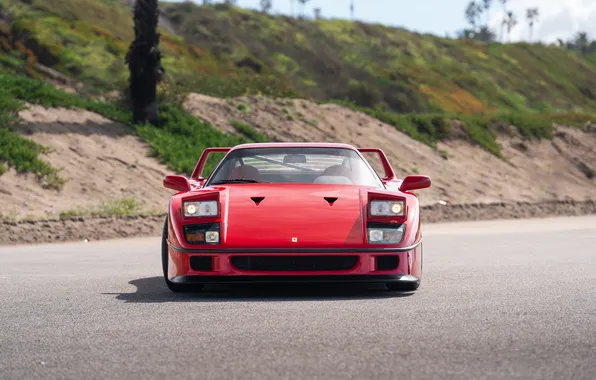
(499, 300)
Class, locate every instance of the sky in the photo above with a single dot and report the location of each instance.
(558, 18)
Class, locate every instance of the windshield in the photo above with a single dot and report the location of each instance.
(312, 165)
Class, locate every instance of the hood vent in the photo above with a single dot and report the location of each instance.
(257, 200)
(331, 200)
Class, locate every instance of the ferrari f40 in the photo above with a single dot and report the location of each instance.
(298, 212)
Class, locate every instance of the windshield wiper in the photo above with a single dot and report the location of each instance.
(235, 180)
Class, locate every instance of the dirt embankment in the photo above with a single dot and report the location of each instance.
(100, 159)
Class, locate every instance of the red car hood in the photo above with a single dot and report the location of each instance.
(292, 215)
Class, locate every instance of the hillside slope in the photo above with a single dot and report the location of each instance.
(86, 41)
(101, 161)
(108, 170)
(378, 65)
(227, 51)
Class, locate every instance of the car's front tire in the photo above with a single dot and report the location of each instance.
(177, 288)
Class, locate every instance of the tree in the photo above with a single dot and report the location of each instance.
(317, 13)
(485, 34)
(352, 9)
(510, 21)
(303, 3)
(473, 12)
(144, 62)
(266, 5)
(487, 4)
(532, 17)
(581, 42)
(503, 22)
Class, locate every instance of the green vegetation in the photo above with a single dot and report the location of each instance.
(249, 132)
(180, 139)
(393, 69)
(88, 41)
(16, 151)
(481, 128)
(115, 207)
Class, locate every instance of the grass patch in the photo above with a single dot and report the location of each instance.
(127, 206)
(181, 138)
(243, 107)
(249, 132)
(482, 129)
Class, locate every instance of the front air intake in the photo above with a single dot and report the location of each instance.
(201, 263)
(294, 263)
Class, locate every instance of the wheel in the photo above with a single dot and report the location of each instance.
(177, 288)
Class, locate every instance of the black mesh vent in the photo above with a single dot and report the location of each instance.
(387, 262)
(201, 263)
(294, 263)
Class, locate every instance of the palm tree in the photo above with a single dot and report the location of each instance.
(504, 4)
(487, 4)
(532, 17)
(317, 12)
(473, 11)
(510, 21)
(144, 62)
(303, 2)
(581, 42)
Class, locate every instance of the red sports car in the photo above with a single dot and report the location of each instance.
(298, 212)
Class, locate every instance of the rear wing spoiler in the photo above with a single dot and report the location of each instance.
(203, 160)
(389, 173)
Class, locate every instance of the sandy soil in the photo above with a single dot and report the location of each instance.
(534, 171)
(101, 160)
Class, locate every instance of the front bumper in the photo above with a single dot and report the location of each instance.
(206, 266)
(403, 278)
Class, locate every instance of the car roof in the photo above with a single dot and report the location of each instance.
(294, 145)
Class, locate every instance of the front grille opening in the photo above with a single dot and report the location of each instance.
(387, 262)
(294, 263)
(202, 263)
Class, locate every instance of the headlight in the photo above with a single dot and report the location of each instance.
(202, 233)
(386, 235)
(208, 208)
(387, 208)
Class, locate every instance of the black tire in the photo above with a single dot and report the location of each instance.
(177, 288)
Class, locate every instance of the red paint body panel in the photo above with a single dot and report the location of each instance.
(295, 219)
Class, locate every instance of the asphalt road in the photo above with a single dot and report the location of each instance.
(499, 300)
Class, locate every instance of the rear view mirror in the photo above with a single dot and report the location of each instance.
(176, 182)
(415, 182)
(294, 159)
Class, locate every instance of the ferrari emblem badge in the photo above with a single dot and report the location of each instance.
(294, 240)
